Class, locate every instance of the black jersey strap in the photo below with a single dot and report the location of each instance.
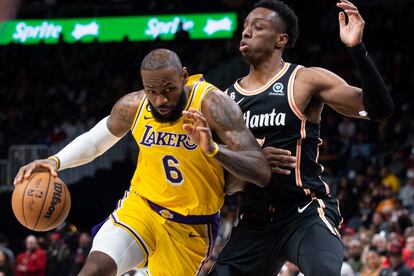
(377, 100)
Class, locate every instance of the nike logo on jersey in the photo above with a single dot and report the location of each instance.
(147, 118)
(301, 210)
(191, 235)
(240, 101)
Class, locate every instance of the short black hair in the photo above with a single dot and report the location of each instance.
(161, 58)
(287, 15)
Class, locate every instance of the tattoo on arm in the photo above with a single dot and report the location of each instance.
(241, 155)
(123, 113)
(228, 121)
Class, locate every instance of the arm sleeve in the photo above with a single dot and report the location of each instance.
(377, 100)
(87, 146)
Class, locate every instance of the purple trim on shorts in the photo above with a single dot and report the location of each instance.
(96, 228)
(132, 232)
(212, 228)
(176, 217)
(215, 225)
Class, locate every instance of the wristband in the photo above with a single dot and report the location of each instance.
(56, 159)
(215, 151)
(358, 50)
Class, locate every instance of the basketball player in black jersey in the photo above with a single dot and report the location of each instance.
(294, 218)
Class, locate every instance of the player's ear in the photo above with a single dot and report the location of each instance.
(281, 40)
(184, 75)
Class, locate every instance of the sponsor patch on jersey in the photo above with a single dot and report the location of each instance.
(277, 89)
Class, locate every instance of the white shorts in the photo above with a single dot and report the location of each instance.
(120, 246)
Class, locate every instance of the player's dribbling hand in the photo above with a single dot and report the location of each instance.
(198, 130)
(281, 161)
(351, 32)
(35, 166)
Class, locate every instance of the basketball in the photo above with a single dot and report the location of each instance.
(41, 202)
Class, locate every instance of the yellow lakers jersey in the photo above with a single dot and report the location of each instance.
(172, 171)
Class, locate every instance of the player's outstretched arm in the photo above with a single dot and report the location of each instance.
(240, 154)
(376, 100)
(91, 144)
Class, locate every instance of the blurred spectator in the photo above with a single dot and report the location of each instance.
(31, 262)
(354, 255)
(5, 266)
(58, 255)
(389, 179)
(381, 247)
(408, 252)
(388, 203)
(79, 257)
(406, 194)
(4, 248)
(346, 270)
(372, 265)
(397, 265)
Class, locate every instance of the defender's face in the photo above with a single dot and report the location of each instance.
(164, 89)
(259, 33)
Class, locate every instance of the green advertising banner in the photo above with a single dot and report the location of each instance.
(113, 29)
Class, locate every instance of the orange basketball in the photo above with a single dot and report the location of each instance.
(41, 202)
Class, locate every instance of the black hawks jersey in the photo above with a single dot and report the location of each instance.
(274, 119)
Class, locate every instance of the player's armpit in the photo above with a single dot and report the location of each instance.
(123, 113)
(241, 155)
(331, 90)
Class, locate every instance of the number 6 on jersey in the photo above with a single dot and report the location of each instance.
(172, 173)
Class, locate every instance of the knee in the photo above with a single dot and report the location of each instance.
(98, 264)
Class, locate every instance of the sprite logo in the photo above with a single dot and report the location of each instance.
(157, 27)
(43, 31)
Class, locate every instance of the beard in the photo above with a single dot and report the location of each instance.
(175, 114)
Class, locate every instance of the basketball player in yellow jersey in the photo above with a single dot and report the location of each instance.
(168, 219)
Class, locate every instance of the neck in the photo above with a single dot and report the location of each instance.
(266, 69)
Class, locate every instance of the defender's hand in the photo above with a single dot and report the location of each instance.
(351, 32)
(35, 166)
(198, 130)
(281, 161)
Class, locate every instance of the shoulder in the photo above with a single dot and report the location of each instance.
(123, 112)
(316, 76)
(131, 99)
(221, 111)
(215, 95)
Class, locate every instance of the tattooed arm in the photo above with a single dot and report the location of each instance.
(240, 154)
(91, 144)
(123, 113)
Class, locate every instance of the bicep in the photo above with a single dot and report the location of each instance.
(226, 119)
(337, 93)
